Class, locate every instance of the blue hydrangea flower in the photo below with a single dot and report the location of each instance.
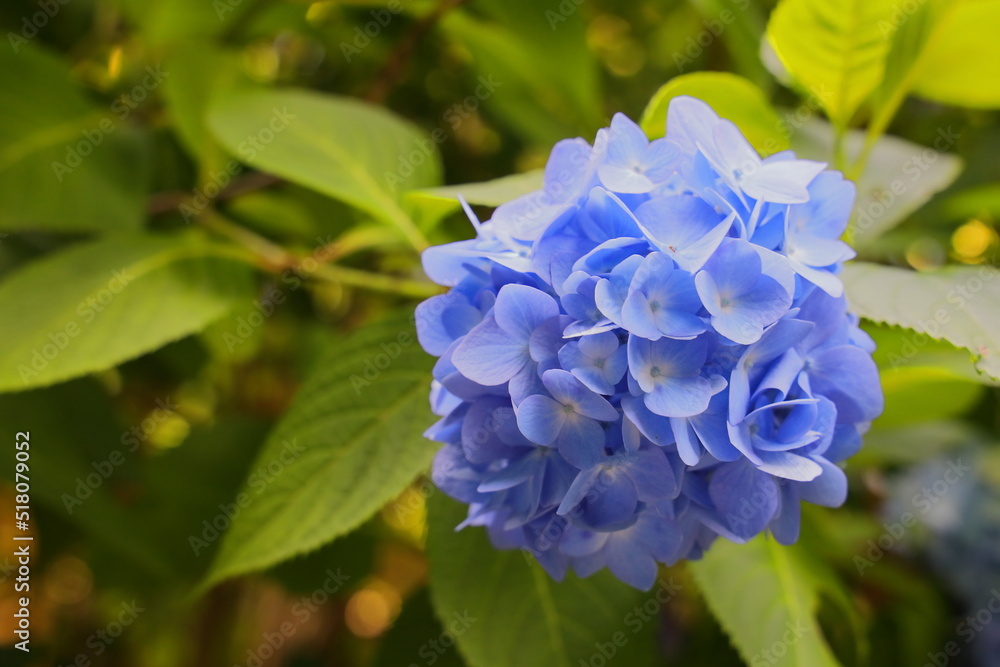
(650, 352)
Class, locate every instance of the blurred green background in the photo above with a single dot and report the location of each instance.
(212, 237)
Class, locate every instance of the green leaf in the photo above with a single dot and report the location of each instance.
(485, 193)
(922, 393)
(344, 148)
(409, 640)
(199, 74)
(109, 301)
(536, 71)
(835, 49)
(912, 443)
(351, 442)
(961, 61)
(80, 471)
(85, 159)
(213, 461)
(958, 304)
(731, 97)
(923, 379)
(900, 177)
(909, 36)
(523, 617)
(762, 593)
(175, 22)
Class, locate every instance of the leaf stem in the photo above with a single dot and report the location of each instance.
(276, 259)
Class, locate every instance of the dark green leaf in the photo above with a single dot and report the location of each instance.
(350, 443)
(344, 148)
(109, 301)
(522, 617)
(65, 163)
(766, 597)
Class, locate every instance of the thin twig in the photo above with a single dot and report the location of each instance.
(396, 63)
(171, 200)
(276, 259)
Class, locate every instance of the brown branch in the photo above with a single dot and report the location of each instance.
(171, 200)
(396, 63)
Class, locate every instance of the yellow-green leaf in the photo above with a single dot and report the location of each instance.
(731, 97)
(835, 49)
(961, 63)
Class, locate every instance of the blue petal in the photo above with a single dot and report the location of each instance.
(633, 566)
(829, 489)
(540, 419)
(746, 498)
(690, 122)
(684, 227)
(581, 441)
(489, 356)
(520, 309)
(656, 428)
(680, 396)
(848, 377)
(572, 393)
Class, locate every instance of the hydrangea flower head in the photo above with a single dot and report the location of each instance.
(650, 352)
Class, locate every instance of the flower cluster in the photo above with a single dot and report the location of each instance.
(651, 351)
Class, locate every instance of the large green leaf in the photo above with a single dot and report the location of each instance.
(344, 148)
(65, 163)
(732, 97)
(923, 379)
(958, 304)
(98, 304)
(961, 61)
(766, 596)
(350, 443)
(900, 177)
(835, 49)
(82, 466)
(523, 617)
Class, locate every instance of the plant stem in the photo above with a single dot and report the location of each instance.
(275, 259)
